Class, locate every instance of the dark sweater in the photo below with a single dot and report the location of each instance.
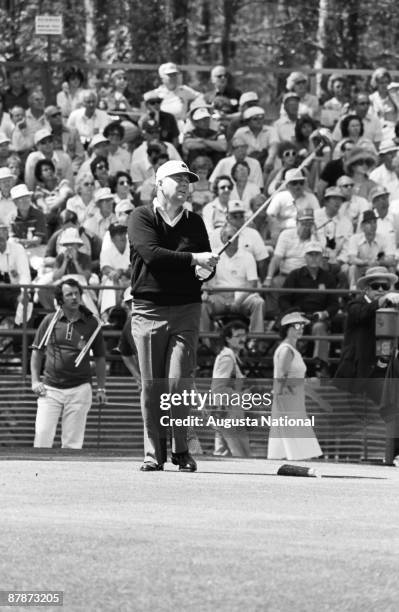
(161, 257)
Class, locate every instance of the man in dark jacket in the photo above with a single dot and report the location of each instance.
(319, 306)
(169, 245)
(360, 370)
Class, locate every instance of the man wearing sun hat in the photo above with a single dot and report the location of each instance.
(369, 248)
(358, 359)
(167, 243)
(362, 371)
(169, 130)
(29, 226)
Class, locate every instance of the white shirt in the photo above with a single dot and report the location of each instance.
(214, 215)
(225, 165)
(388, 178)
(261, 141)
(119, 161)
(236, 271)
(177, 101)
(111, 256)
(338, 228)
(15, 262)
(249, 240)
(250, 191)
(171, 222)
(88, 126)
(291, 250)
(358, 246)
(8, 211)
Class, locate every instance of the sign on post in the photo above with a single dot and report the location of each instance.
(48, 25)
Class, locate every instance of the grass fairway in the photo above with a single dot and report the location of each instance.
(233, 536)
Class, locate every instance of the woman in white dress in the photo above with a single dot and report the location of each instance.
(287, 441)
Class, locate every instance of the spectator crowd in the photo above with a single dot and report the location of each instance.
(72, 172)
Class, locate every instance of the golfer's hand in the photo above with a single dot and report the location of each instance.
(39, 389)
(205, 260)
(101, 396)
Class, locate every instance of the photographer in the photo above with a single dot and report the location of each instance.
(360, 370)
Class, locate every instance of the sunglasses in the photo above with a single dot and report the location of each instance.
(56, 115)
(289, 154)
(221, 76)
(376, 285)
(297, 182)
(46, 140)
(228, 187)
(88, 184)
(348, 185)
(363, 103)
(237, 214)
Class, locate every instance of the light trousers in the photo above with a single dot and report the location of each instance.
(74, 404)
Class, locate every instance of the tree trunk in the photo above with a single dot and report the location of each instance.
(321, 40)
(90, 47)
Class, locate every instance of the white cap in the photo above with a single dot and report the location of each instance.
(235, 206)
(253, 111)
(172, 167)
(70, 236)
(153, 94)
(5, 173)
(20, 191)
(314, 247)
(41, 135)
(168, 68)
(293, 175)
(98, 139)
(4, 138)
(248, 96)
(103, 194)
(124, 206)
(200, 113)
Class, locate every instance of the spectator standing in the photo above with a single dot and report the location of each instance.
(227, 377)
(66, 387)
(176, 98)
(383, 104)
(297, 82)
(89, 120)
(169, 131)
(289, 395)
(384, 174)
(68, 99)
(16, 94)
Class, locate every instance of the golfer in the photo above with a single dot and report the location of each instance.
(169, 247)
